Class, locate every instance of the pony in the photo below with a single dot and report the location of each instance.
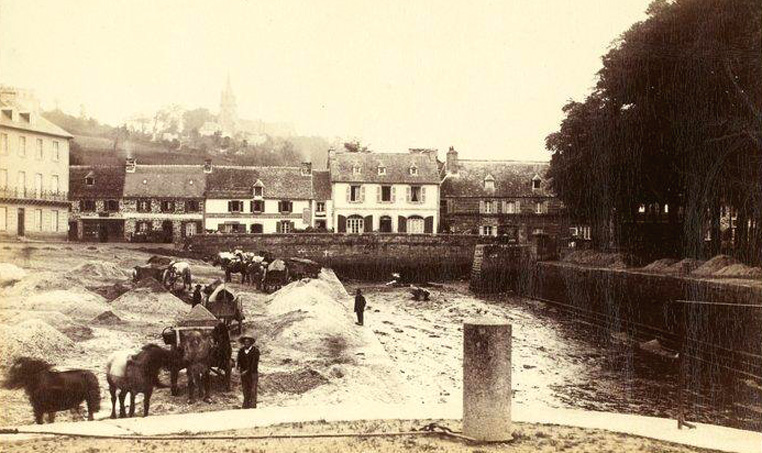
(176, 270)
(235, 266)
(138, 373)
(198, 353)
(50, 391)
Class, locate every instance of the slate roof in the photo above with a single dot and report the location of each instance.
(397, 168)
(279, 182)
(165, 181)
(108, 181)
(512, 179)
(321, 185)
(39, 124)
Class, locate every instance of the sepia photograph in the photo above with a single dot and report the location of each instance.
(332, 226)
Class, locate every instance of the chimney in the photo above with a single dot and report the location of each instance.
(452, 161)
(131, 164)
(207, 165)
(306, 168)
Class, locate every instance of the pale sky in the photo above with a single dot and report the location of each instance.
(488, 77)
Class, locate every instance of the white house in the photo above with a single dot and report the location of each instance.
(385, 192)
(260, 199)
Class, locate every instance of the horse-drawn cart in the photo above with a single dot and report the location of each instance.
(200, 339)
(225, 306)
(153, 270)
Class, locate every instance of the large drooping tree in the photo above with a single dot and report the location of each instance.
(676, 119)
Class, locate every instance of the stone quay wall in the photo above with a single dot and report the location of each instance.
(418, 257)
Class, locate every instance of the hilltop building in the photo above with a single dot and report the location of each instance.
(385, 192)
(228, 118)
(34, 170)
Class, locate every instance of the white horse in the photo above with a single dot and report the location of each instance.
(135, 372)
(176, 270)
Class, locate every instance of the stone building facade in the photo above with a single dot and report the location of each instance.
(163, 203)
(385, 192)
(97, 205)
(499, 198)
(34, 170)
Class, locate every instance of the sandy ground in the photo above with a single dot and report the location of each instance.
(408, 351)
(527, 438)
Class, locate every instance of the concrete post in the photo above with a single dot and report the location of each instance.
(487, 380)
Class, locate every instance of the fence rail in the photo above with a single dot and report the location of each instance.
(33, 194)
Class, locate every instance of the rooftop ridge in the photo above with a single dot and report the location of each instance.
(505, 161)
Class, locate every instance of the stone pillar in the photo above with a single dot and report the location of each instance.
(487, 380)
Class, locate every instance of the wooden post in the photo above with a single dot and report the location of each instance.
(487, 380)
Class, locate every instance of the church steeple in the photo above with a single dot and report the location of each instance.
(228, 117)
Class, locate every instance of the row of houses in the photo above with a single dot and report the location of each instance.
(42, 196)
(412, 193)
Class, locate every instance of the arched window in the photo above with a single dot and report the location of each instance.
(415, 225)
(385, 224)
(355, 224)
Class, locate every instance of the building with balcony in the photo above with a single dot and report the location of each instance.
(499, 198)
(385, 192)
(97, 206)
(260, 199)
(34, 172)
(163, 203)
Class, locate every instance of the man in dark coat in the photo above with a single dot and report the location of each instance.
(359, 306)
(248, 366)
(196, 296)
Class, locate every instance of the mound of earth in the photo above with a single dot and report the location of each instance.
(660, 265)
(10, 274)
(145, 300)
(107, 318)
(685, 266)
(596, 259)
(739, 270)
(76, 302)
(59, 321)
(297, 382)
(713, 265)
(151, 284)
(110, 292)
(33, 338)
(40, 282)
(97, 271)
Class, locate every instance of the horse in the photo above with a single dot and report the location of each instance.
(50, 391)
(276, 275)
(255, 271)
(176, 270)
(138, 373)
(235, 266)
(222, 259)
(197, 354)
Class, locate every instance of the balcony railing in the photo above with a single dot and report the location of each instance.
(32, 194)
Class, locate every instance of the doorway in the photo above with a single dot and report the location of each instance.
(21, 223)
(73, 231)
(166, 228)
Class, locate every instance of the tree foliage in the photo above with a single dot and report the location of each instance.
(675, 118)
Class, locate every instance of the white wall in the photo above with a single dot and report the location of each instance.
(216, 213)
(400, 207)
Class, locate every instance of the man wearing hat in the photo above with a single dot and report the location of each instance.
(359, 306)
(196, 296)
(248, 366)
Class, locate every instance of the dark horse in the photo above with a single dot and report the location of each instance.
(51, 391)
(199, 354)
(236, 266)
(138, 373)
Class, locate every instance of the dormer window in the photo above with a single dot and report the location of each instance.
(357, 170)
(489, 182)
(381, 170)
(25, 117)
(89, 181)
(413, 170)
(536, 182)
(259, 189)
(8, 113)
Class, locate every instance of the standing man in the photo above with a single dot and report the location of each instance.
(248, 366)
(196, 296)
(359, 306)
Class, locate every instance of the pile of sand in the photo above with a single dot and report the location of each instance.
(713, 265)
(145, 300)
(739, 270)
(107, 318)
(76, 302)
(10, 274)
(151, 284)
(596, 259)
(40, 282)
(98, 271)
(33, 338)
(660, 265)
(684, 266)
(59, 321)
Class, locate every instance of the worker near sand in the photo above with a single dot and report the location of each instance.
(359, 306)
(196, 296)
(248, 365)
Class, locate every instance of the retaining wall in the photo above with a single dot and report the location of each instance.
(367, 256)
(650, 299)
